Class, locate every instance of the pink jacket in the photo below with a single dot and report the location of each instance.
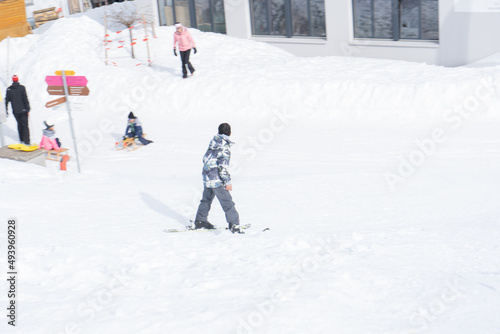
(48, 144)
(185, 40)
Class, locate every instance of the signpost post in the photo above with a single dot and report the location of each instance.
(8, 58)
(2, 141)
(3, 119)
(67, 84)
(66, 93)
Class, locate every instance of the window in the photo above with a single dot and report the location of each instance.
(182, 14)
(206, 15)
(219, 18)
(210, 15)
(396, 19)
(288, 17)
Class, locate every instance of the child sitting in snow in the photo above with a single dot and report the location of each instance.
(48, 141)
(134, 129)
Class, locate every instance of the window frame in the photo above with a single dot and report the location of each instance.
(396, 8)
(192, 13)
(211, 6)
(289, 33)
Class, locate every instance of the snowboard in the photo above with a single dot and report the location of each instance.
(191, 229)
(22, 147)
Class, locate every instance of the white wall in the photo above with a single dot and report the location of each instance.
(464, 37)
(467, 36)
(237, 13)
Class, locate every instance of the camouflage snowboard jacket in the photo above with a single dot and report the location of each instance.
(216, 162)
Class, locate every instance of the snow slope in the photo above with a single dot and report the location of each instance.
(378, 180)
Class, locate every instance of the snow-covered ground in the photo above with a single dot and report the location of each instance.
(378, 180)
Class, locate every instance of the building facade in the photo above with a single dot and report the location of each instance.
(444, 32)
(13, 22)
(205, 15)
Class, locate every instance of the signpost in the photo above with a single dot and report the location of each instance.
(55, 102)
(67, 84)
(67, 72)
(55, 80)
(73, 90)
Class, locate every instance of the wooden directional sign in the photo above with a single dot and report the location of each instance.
(78, 90)
(72, 90)
(55, 102)
(65, 72)
(55, 80)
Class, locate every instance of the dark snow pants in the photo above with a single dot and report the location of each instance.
(226, 201)
(185, 61)
(138, 133)
(22, 127)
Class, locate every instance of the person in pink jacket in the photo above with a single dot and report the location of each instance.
(186, 43)
(48, 141)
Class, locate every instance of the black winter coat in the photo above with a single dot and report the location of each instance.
(16, 95)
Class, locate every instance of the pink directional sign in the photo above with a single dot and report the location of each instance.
(71, 80)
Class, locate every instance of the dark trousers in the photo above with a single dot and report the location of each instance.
(22, 127)
(225, 200)
(138, 133)
(185, 61)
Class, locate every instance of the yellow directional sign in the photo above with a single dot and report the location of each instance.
(66, 72)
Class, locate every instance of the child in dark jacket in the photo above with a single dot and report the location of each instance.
(134, 129)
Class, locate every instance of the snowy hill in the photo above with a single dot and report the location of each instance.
(378, 180)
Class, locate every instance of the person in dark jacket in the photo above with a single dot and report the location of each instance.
(16, 95)
(134, 129)
(217, 182)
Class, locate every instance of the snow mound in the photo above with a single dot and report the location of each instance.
(378, 180)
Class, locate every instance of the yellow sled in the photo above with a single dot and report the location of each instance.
(22, 147)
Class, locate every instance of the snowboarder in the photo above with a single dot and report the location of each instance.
(48, 141)
(186, 43)
(16, 95)
(134, 129)
(217, 181)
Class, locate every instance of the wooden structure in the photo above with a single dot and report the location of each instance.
(45, 15)
(75, 6)
(56, 154)
(13, 21)
(129, 143)
(36, 157)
